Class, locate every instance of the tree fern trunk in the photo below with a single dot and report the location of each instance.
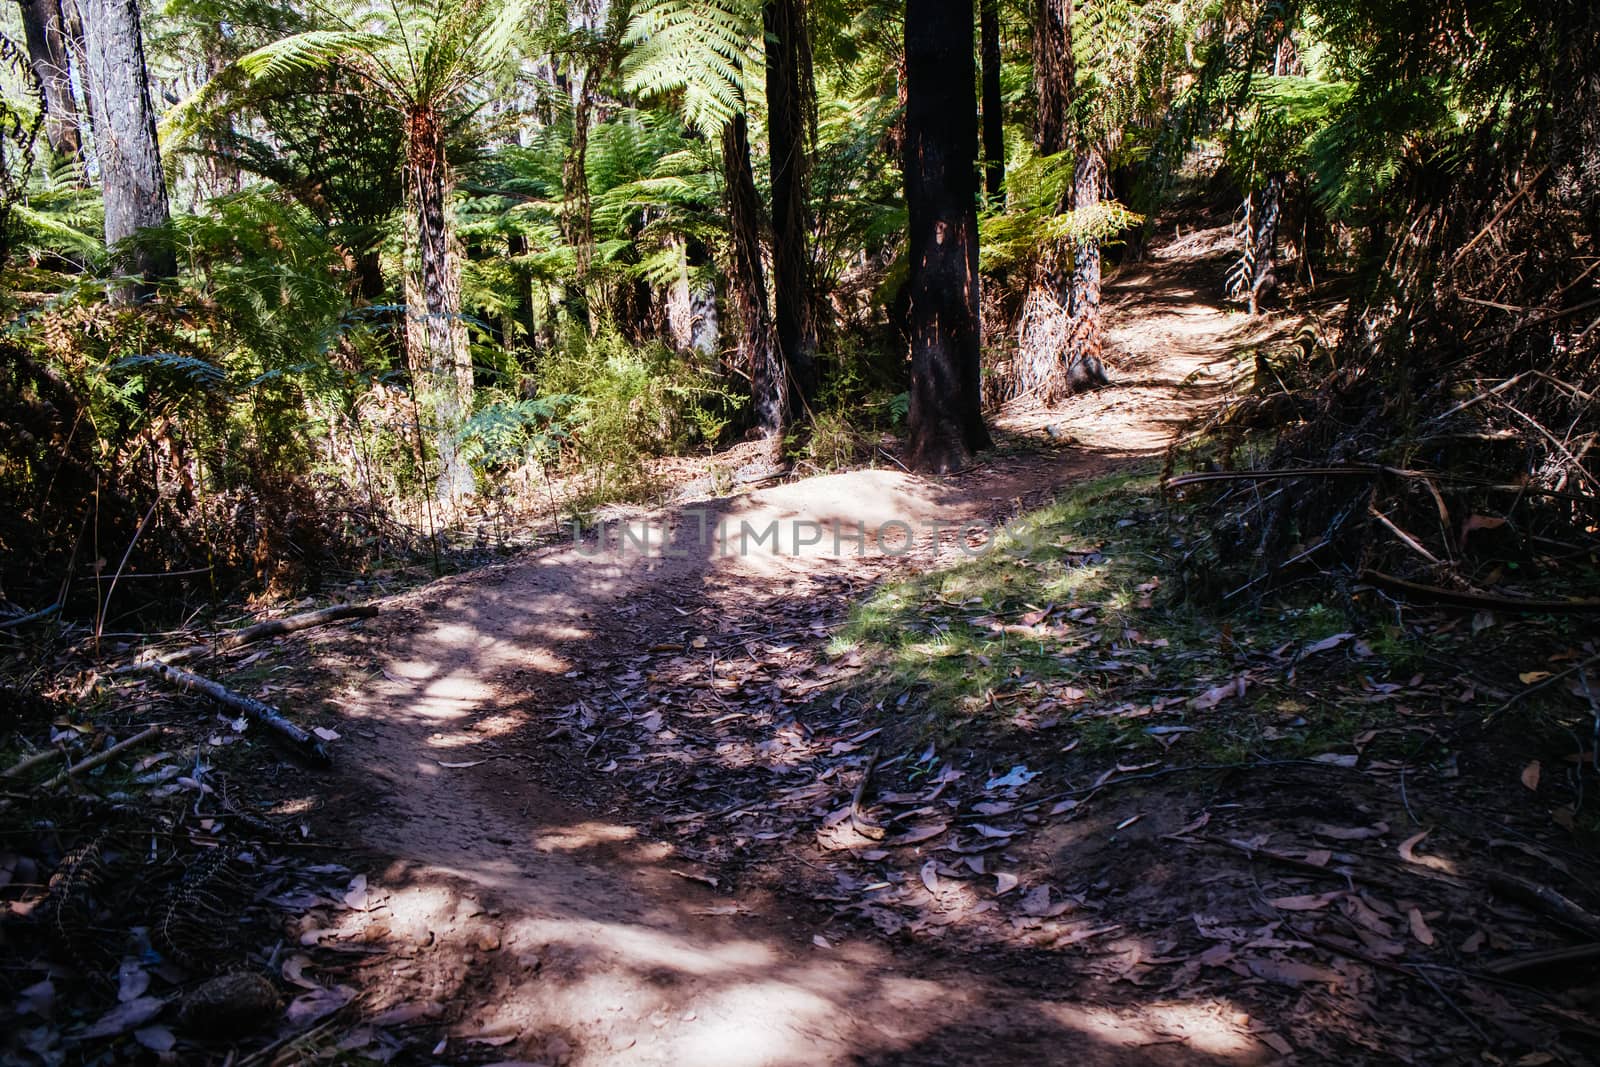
(437, 338)
(42, 25)
(1264, 239)
(757, 343)
(790, 102)
(945, 421)
(1086, 321)
(133, 185)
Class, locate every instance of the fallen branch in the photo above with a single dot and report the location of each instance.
(1546, 683)
(23, 620)
(1478, 601)
(1533, 961)
(103, 757)
(295, 623)
(1546, 901)
(27, 763)
(264, 715)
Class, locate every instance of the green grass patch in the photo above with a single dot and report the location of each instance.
(1073, 623)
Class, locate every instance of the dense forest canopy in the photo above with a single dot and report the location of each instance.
(286, 279)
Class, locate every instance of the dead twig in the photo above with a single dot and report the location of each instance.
(1544, 684)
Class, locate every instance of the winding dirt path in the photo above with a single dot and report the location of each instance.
(550, 927)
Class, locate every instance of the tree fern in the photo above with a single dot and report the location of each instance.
(707, 50)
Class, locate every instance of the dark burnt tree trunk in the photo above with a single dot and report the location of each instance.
(791, 105)
(994, 132)
(48, 54)
(517, 246)
(945, 423)
(134, 189)
(1062, 332)
(757, 343)
(437, 337)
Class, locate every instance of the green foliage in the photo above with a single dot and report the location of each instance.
(1031, 220)
(624, 401)
(702, 51)
(508, 431)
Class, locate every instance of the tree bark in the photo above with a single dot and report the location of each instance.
(790, 103)
(1062, 334)
(1087, 336)
(42, 25)
(994, 134)
(945, 422)
(436, 339)
(758, 345)
(134, 187)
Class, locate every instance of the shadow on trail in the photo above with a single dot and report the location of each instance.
(530, 915)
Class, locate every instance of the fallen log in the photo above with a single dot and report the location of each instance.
(264, 715)
(295, 623)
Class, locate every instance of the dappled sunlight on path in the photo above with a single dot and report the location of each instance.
(558, 925)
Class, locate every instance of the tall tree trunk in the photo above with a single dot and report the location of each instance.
(1061, 333)
(994, 132)
(790, 105)
(769, 389)
(945, 423)
(577, 214)
(134, 188)
(48, 55)
(436, 339)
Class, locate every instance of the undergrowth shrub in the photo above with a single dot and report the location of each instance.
(624, 401)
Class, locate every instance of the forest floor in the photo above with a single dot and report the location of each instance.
(904, 800)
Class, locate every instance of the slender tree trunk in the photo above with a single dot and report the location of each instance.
(577, 216)
(517, 246)
(48, 55)
(790, 102)
(705, 331)
(134, 187)
(1061, 334)
(994, 133)
(758, 346)
(945, 423)
(436, 338)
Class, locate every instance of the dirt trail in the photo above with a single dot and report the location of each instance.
(562, 931)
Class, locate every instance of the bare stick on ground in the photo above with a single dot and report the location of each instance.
(264, 715)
